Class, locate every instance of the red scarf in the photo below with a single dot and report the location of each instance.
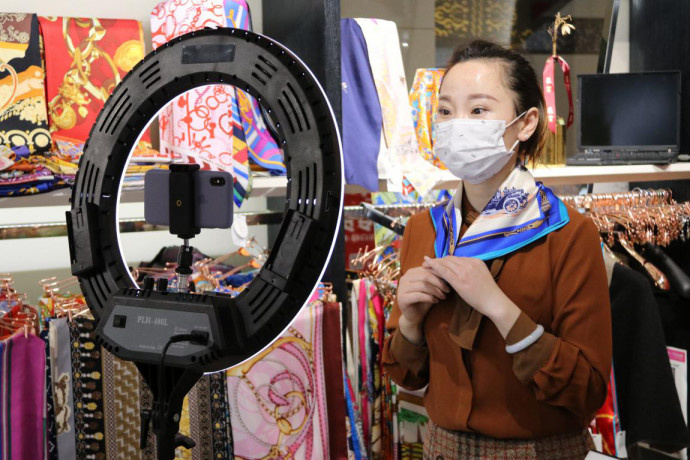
(550, 91)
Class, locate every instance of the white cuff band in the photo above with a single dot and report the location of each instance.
(527, 341)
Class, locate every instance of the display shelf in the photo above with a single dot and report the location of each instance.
(568, 175)
(550, 175)
(262, 187)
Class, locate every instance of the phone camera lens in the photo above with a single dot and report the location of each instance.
(218, 181)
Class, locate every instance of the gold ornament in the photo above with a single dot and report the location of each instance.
(128, 54)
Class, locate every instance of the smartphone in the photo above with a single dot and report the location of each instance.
(213, 198)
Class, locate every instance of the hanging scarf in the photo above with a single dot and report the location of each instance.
(23, 404)
(23, 114)
(204, 125)
(424, 102)
(550, 91)
(399, 152)
(85, 59)
(521, 211)
(362, 122)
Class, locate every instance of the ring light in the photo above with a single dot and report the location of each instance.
(135, 324)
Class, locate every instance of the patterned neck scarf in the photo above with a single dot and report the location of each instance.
(520, 212)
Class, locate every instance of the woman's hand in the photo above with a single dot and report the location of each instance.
(471, 279)
(418, 289)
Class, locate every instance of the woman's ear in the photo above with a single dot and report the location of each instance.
(528, 124)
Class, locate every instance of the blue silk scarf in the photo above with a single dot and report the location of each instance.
(521, 211)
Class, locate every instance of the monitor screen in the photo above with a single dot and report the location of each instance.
(636, 111)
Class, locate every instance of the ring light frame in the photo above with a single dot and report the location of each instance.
(306, 129)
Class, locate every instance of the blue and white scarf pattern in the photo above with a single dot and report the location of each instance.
(521, 211)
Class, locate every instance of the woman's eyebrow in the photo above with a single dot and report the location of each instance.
(481, 96)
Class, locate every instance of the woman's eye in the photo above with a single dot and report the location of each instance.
(478, 111)
(443, 112)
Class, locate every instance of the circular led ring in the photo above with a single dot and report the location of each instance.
(305, 129)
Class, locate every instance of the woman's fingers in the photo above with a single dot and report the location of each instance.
(427, 276)
(427, 288)
(421, 298)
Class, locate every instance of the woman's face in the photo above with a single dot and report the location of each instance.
(476, 89)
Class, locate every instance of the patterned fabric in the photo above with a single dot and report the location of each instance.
(362, 119)
(63, 397)
(355, 446)
(23, 116)
(146, 402)
(200, 419)
(442, 443)
(21, 190)
(85, 60)
(122, 419)
(40, 175)
(50, 434)
(263, 149)
(460, 20)
(220, 417)
(88, 388)
(278, 398)
(23, 397)
(424, 102)
(219, 126)
(333, 370)
(606, 421)
(399, 153)
(185, 429)
(521, 211)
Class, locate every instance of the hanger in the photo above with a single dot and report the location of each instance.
(657, 275)
(680, 282)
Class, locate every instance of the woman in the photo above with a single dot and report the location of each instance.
(504, 314)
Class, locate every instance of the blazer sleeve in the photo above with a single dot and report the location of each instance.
(406, 363)
(570, 365)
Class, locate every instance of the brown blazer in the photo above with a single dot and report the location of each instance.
(553, 387)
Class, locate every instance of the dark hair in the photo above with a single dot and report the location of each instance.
(520, 78)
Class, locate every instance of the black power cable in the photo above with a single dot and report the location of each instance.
(195, 337)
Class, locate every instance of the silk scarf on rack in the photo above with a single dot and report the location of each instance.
(278, 399)
(218, 126)
(61, 376)
(87, 388)
(22, 378)
(85, 59)
(23, 116)
(206, 419)
(362, 119)
(262, 148)
(424, 101)
(373, 391)
(399, 151)
(121, 407)
(50, 434)
(521, 211)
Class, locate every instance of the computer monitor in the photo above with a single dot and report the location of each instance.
(629, 112)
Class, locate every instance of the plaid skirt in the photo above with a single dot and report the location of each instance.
(442, 444)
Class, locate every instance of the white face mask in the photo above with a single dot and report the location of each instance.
(473, 150)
